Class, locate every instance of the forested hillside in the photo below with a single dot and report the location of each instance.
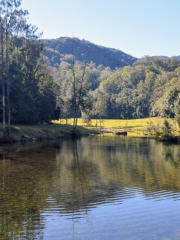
(60, 49)
(151, 87)
(114, 84)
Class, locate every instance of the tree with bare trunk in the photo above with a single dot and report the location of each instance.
(80, 99)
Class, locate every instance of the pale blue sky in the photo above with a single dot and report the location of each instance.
(136, 27)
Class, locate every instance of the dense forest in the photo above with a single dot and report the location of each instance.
(148, 88)
(42, 80)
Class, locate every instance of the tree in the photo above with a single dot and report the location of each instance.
(168, 109)
(80, 87)
(29, 93)
(34, 95)
(99, 106)
(2, 66)
(12, 21)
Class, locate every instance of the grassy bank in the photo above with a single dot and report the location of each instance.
(43, 131)
(134, 127)
(59, 130)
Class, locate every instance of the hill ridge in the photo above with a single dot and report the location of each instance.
(58, 50)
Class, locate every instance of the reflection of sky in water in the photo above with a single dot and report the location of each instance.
(136, 218)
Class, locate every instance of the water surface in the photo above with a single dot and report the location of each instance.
(103, 187)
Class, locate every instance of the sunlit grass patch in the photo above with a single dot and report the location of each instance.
(134, 127)
(116, 123)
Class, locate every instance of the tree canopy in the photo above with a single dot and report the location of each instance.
(29, 93)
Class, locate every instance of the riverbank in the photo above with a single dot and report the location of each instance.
(33, 133)
(158, 128)
(142, 128)
(113, 125)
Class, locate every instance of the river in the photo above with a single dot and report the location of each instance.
(96, 188)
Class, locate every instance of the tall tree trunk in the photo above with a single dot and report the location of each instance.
(77, 93)
(74, 94)
(2, 80)
(7, 79)
(80, 91)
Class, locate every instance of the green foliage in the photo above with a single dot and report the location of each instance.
(46, 88)
(162, 129)
(86, 119)
(168, 109)
(30, 93)
(149, 88)
(33, 93)
(166, 127)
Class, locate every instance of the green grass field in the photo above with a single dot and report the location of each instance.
(139, 124)
(135, 127)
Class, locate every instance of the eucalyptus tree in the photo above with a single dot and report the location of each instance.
(13, 25)
(79, 98)
(80, 89)
(14, 22)
(2, 3)
(9, 19)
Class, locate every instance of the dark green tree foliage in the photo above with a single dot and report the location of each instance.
(151, 87)
(168, 109)
(28, 89)
(71, 82)
(34, 93)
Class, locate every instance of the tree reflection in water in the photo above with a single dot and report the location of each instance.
(25, 182)
(71, 178)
